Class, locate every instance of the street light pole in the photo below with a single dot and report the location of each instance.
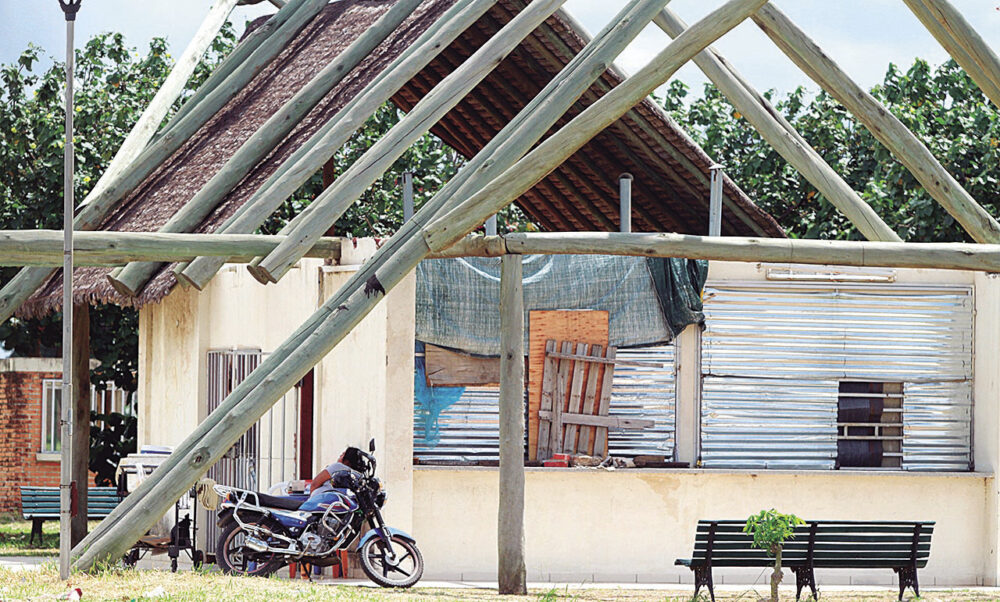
(66, 484)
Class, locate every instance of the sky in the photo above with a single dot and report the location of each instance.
(863, 36)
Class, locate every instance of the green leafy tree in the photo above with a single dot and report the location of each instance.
(942, 106)
(113, 85)
(770, 530)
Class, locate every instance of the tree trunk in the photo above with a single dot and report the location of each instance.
(776, 575)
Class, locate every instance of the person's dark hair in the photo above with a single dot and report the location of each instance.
(353, 458)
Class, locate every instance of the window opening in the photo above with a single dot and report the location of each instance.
(51, 411)
(870, 425)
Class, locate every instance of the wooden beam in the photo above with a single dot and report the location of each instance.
(100, 248)
(332, 136)
(962, 42)
(534, 166)
(393, 260)
(130, 280)
(943, 256)
(889, 130)
(144, 129)
(334, 201)
(285, 24)
(783, 138)
(510, 521)
(605, 421)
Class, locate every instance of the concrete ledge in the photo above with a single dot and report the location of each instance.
(719, 471)
(36, 364)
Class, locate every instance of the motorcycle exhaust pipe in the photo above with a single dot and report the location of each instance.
(256, 545)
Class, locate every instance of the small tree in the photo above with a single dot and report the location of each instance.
(770, 529)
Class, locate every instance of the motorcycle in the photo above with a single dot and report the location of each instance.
(261, 533)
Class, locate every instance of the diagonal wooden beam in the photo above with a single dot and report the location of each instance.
(113, 534)
(335, 200)
(889, 130)
(130, 280)
(783, 137)
(144, 129)
(325, 143)
(962, 42)
(284, 24)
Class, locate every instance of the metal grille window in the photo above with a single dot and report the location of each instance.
(782, 365)
(468, 430)
(870, 425)
(51, 411)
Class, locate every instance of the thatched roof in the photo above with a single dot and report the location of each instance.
(670, 191)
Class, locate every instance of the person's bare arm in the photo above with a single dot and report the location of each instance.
(322, 477)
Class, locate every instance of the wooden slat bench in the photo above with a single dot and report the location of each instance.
(903, 547)
(39, 504)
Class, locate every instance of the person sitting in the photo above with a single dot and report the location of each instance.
(349, 461)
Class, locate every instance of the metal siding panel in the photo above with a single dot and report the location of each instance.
(768, 423)
(816, 335)
(469, 429)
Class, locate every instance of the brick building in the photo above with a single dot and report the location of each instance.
(30, 395)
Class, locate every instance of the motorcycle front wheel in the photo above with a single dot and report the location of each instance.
(234, 559)
(401, 568)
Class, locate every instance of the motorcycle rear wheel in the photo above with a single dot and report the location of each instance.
(404, 571)
(234, 559)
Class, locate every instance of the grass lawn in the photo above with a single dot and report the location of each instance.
(126, 585)
(15, 531)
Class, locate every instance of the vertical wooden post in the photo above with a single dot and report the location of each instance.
(81, 419)
(407, 196)
(715, 202)
(510, 523)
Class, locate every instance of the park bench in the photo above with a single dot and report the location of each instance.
(39, 504)
(901, 546)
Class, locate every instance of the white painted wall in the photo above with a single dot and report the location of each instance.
(368, 376)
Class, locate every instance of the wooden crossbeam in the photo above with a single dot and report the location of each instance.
(339, 315)
(886, 128)
(327, 208)
(592, 420)
(282, 27)
(130, 280)
(783, 137)
(309, 158)
(962, 42)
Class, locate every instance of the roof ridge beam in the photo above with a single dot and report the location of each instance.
(888, 129)
(331, 204)
(130, 280)
(501, 152)
(285, 24)
(962, 42)
(782, 136)
(336, 132)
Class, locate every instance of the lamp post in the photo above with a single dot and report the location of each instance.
(66, 485)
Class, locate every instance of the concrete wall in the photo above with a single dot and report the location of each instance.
(628, 526)
(368, 375)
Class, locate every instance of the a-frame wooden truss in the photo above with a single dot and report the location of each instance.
(507, 167)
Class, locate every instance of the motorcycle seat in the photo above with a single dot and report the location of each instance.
(282, 502)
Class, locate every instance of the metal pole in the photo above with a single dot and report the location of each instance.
(625, 199)
(491, 225)
(66, 484)
(407, 196)
(715, 202)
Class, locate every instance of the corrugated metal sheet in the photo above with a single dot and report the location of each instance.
(937, 426)
(781, 350)
(768, 423)
(469, 429)
(839, 332)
